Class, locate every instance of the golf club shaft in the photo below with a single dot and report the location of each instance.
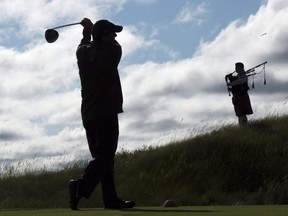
(66, 25)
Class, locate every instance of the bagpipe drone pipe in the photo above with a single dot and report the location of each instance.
(248, 73)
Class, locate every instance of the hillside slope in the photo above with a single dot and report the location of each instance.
(231, 165)
(247, 165)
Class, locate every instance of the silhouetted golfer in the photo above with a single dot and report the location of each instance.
(238, 85)
(101, 102)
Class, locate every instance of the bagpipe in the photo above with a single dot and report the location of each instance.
(250, 72)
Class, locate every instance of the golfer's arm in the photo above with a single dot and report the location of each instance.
(86, 36)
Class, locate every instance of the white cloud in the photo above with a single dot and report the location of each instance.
(72, 134)
(131, 41)
(134, 43)
(190, 13)
(29, 19)
(12, 128)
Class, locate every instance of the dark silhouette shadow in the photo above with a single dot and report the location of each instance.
(167, 210)
(154, 210)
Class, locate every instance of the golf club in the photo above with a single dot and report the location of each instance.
(51, 35)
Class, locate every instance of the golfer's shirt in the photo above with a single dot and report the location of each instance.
(100, 82)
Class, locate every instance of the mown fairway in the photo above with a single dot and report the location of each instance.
(277, 210)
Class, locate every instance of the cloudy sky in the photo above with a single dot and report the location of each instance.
(175, 57)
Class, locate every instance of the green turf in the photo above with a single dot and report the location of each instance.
(268, 210)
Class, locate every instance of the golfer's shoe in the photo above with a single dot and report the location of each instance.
(119, 204)
(74, 199)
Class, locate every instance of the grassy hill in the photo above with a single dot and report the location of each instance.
(233, 165)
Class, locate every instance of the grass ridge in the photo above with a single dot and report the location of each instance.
(231, 165)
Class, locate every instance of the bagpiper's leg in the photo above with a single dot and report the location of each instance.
(242, 120)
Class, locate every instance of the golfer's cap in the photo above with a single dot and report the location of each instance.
(102, 26)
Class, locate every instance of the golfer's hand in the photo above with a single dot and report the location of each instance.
(86, 23)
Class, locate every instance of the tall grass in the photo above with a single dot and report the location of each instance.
(230, 165)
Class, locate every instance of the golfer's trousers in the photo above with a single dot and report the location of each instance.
(102, 136)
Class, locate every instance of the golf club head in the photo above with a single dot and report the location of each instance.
(51, 35)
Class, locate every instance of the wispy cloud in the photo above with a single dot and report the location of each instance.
(190, 13)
